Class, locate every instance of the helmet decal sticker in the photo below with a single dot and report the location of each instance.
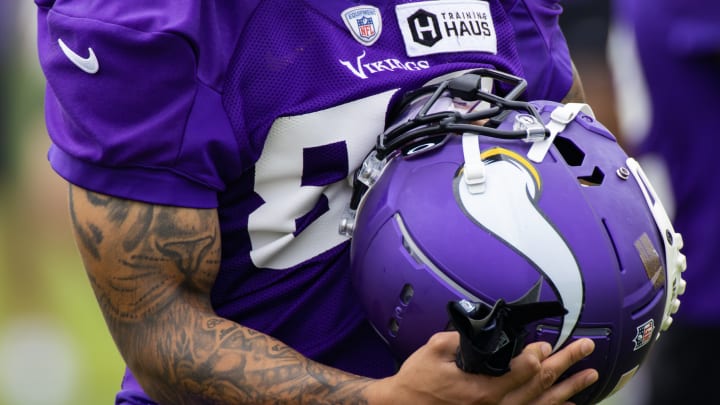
(644, 334)
(513, 189)
(651, 261)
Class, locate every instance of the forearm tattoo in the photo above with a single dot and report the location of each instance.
(152, 269)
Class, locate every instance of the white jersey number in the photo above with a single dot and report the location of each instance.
(278, 176)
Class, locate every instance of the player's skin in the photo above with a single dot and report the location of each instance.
(576, 94)
(152, 268)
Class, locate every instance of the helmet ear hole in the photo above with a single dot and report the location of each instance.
(574, 157)
(570, 152)
(594, 179)
(393, 327)
(407, 293)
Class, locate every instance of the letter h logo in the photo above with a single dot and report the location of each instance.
(425, 28)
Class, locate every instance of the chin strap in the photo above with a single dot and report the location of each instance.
(559, 119)
(491, 336)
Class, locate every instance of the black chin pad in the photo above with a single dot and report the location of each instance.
(491, 336)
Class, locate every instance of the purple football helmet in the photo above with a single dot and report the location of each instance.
(471, 199)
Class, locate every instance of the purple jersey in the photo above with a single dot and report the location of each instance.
(262, 109)
(680, 41)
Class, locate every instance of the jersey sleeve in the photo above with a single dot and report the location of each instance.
(542, 48)
(125, 109)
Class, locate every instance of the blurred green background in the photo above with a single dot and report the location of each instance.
(54, 346)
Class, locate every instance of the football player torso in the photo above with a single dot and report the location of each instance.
(263, 109)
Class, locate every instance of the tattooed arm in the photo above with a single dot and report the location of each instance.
(576, 94)
(152, 268)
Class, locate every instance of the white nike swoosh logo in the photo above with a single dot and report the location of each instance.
(88, 65)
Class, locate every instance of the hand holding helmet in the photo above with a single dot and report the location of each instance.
(430, 376)
(483, 199)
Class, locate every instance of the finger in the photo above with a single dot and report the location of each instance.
(444, 345)
(551, 369)
(524, 367)
(554, 366)
(567, 388)
(541, 349)
(559, 362)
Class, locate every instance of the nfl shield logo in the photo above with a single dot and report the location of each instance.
(364, 23)
(644, 334)
(366, 27)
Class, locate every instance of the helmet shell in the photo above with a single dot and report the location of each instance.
(574, 221)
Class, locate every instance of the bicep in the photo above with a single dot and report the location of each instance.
(141, 256)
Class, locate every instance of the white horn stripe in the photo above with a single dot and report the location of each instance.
(506, 209)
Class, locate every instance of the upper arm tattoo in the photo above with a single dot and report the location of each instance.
(152, 268)
(153, 252)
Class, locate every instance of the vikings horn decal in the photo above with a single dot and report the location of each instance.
(508, 209)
